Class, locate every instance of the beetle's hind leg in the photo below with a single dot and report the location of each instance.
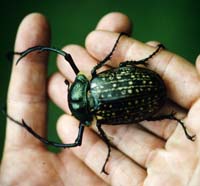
(106, 140)
(142, 61)
(173, 117)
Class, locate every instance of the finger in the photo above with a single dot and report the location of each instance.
(93, 152)
(115, 22)
(27, 91)
(192, 119)
(153, 43)
(180, 76)
(73, 167)
(198, 64)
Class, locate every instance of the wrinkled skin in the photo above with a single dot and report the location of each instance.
(163, 156)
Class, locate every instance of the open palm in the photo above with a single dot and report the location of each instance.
(163, 156)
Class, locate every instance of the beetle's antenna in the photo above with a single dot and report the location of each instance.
(66, 55)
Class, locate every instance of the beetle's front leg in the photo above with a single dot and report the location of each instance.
(108, 57)
(172, 117)
(106, 140)
(77, 142)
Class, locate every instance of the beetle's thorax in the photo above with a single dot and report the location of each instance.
(78, 99)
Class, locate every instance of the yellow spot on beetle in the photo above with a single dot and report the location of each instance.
(123, 92)
(99, 117)
(129, 103)
(137, 90)
(118, 77)
(130, 91)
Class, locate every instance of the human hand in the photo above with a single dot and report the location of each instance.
(25, 157)
(163, 156)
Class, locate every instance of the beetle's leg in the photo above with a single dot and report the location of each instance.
(106, 140)
(172, 117)
(66, 55)
(108, 57)
(77, 142)
(142, 61)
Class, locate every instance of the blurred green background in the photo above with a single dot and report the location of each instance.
(175, 23)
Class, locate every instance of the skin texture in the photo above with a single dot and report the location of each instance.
(141, 158)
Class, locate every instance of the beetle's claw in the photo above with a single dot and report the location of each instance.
(104, 171)
(192, 138)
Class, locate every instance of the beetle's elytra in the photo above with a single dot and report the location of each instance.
(126, 95)
(123, 95)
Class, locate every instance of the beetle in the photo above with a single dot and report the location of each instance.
(123, 95)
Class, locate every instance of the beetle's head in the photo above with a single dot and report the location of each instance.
(78, 99)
